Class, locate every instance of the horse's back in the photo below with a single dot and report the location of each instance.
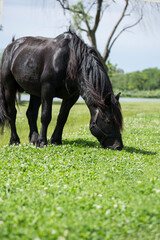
(31, 59)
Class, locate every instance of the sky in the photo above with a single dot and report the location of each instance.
(135, 50)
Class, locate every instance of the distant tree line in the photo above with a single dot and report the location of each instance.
(148, 79)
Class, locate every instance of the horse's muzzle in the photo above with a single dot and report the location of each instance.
(117, 145)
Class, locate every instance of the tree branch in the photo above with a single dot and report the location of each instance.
(98, 14)
(77, 12)
(103, 10)
(124, 29)
(68, 8)
(91, 6)
(115, 28)
(82, 29)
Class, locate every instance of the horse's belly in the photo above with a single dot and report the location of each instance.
(29, 84)
(63, 93)
(27, 75)
(31, 88)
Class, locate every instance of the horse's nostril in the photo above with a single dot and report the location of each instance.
(117, 145)
(118, 148)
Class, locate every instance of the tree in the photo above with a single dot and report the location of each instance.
(85, 21)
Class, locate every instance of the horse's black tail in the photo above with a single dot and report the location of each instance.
(3, 111)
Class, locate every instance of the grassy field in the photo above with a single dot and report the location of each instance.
(79, 190)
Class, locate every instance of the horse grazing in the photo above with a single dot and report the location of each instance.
(63, 67)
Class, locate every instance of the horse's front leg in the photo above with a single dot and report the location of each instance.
(45, 119)
(32, 115)
(62, 118)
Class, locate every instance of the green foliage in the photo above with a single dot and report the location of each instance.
(112, 69)
(148, 79)
(80, 191)
(79, 15)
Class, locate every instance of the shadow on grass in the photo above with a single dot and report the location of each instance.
(80, 143)
(138, 150)
(86, 143)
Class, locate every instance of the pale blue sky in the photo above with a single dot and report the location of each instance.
(135, 50)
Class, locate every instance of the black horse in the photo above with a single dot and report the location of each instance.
(63, 67)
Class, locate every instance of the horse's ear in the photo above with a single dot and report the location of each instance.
(118, 96)
(107, 100)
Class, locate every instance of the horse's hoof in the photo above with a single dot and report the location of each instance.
(14, 142)
(41, 143)
(33, 139)
(56, 142)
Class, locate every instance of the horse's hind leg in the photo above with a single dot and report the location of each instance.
(62, 118)
(10, 95)
(32, 115)
(46, 100)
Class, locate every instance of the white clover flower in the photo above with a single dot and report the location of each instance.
(23, 164)
(97, 206)
(53, 232)
(1, 223)
(123, 208)
(61, 238)
(79, 197)
(108, 212)
(156, 190)
(99, 195)
(139, 182)
(58, 208)
(66, 232)
(50, 185)
(115, 206)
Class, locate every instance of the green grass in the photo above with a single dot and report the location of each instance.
(79, 190)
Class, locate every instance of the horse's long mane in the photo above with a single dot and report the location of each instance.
(84, 61)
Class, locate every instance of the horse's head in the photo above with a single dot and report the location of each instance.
(106, 123)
